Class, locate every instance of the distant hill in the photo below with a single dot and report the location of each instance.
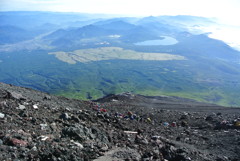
(117, 25)
(12, 34)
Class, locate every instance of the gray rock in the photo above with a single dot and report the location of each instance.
(4, 94)
(209, 118)
(76, 132)
(2, 115)
(21, 107)
(64, 116)
(47, 97)
(81, 133)
(43, 126)
(77, 144)
(17, 96)
(1, 142)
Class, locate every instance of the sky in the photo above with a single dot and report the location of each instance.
(225, 10)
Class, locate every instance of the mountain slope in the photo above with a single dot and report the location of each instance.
(12, 34)
(125, 126)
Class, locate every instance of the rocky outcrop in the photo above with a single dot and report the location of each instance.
(37, 126)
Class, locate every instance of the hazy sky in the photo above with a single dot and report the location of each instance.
(228, 10)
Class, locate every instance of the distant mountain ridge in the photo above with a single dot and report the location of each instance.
(210, 70)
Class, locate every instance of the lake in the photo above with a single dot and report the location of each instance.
(167, 40)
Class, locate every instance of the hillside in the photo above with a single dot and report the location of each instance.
(39, 126)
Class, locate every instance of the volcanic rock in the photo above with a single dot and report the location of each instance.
(37, 126)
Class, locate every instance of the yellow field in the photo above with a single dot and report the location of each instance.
(110, 53)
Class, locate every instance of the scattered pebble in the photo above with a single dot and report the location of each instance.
(123, 130)
(35, 106)
(2, 115)
(21, 107)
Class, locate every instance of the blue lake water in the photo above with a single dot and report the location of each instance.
(166, 41)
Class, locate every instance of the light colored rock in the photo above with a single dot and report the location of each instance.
(35, 106)
(21, 107)
(78, 144)
(43, 126)
(16, 95)
(2, 115)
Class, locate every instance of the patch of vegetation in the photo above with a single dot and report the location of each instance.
(200, 80)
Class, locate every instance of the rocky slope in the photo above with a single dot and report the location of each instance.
(38, 126)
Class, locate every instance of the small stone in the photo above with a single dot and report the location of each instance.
(17, 142)
(68, 109)
(104, 148)
(43, 126)
(34, 148)
(47, 97)
(53, 126)
(78, 144)
(23, 113)
(1, 142)
(155, 137)
(35, 106)
(178, 138)
(184, 124)
(184, 117)
(2, 115)
(17, 96)
(43, 138)
(64, 116)
(209, 118)
(21, 107)
(4, 94)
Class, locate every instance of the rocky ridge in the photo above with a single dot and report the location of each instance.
(38, 126)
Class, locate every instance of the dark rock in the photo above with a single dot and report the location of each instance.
(209, 118)
(23, 113)
(75, 119)
(178, 138)
(184, 117)
(5, 94)
(78, 132)
(184, 124)
(47, 97)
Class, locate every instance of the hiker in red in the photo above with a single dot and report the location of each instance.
(103, 110)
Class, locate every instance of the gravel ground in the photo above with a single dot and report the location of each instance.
(38, 126)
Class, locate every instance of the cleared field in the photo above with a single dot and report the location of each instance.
(110, 53)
